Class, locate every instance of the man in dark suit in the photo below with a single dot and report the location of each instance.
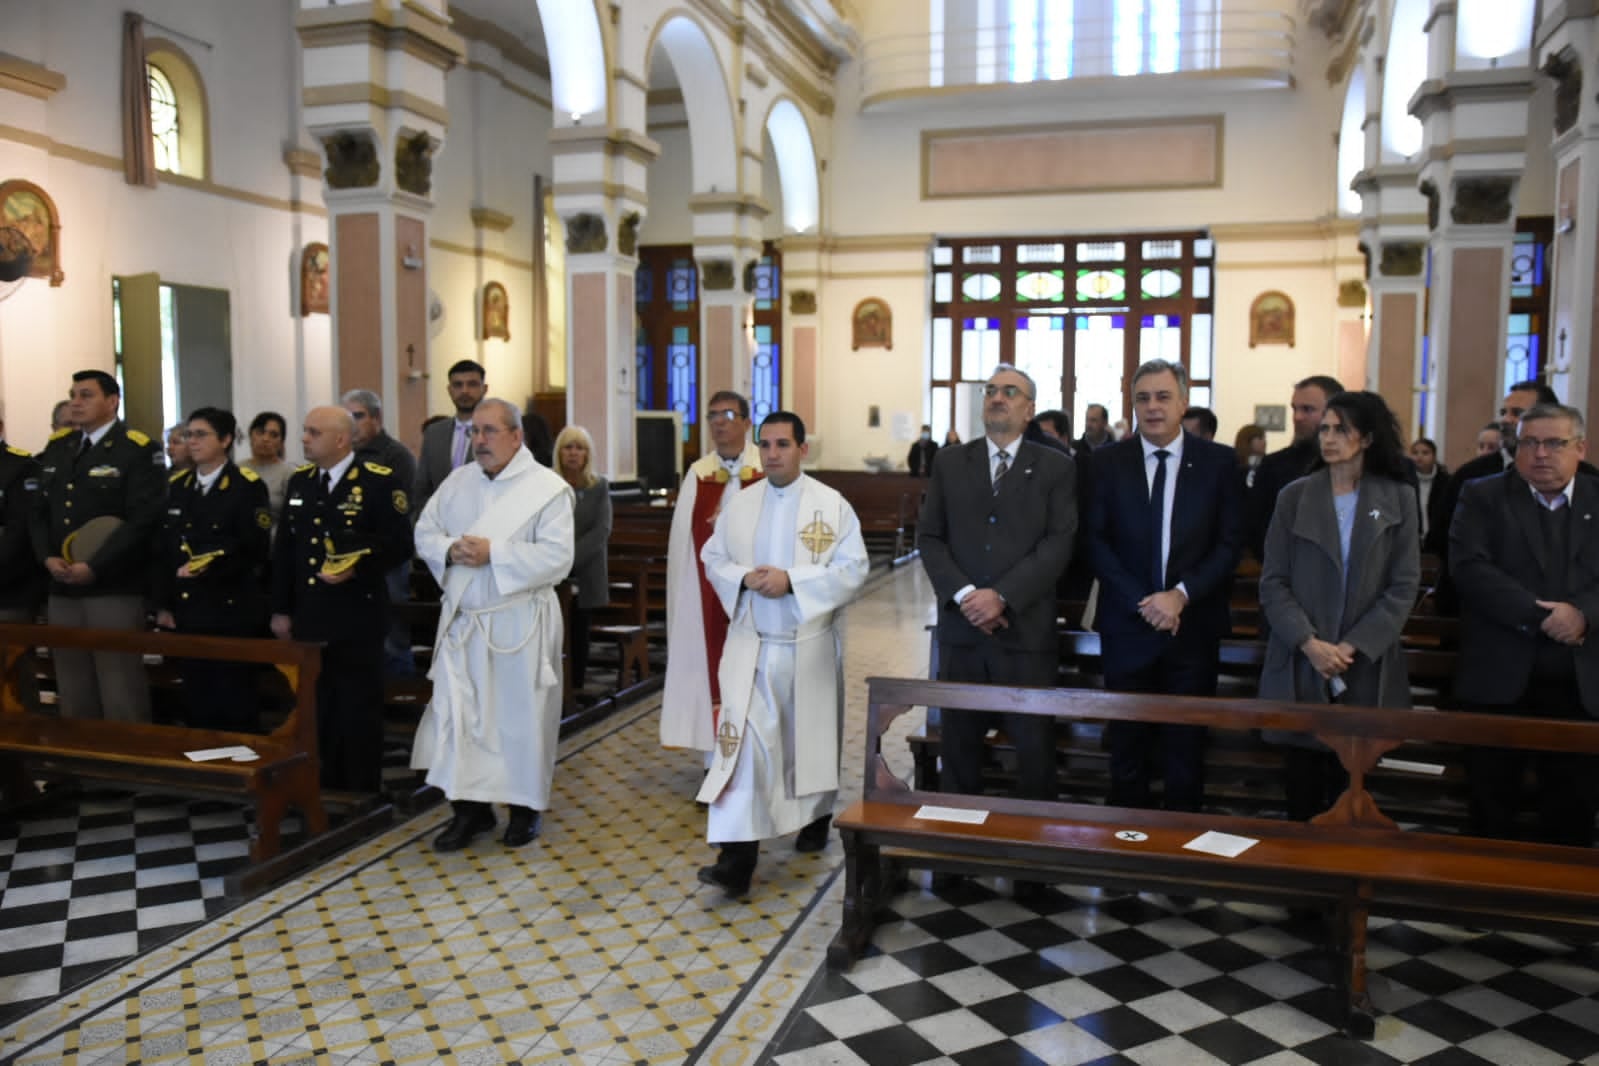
(1164, 540)
(345, 523)
(1056, 427)
(920, 460)
(995, 534)
(447, 443)
(1291, 463)
(1527, 571)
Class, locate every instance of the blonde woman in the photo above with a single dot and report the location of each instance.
(591, 519)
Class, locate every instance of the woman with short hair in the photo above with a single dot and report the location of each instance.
(591, 522)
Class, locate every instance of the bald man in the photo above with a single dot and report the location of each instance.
(344, 525)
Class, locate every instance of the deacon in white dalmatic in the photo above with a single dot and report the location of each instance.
(498, 536)
(786, 556)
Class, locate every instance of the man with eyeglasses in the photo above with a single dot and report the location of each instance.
(1526, 559)
(696, 625)
(995, 535)
(374, 445)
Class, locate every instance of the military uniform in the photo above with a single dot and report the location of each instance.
(122, 475)
(22, 579)
(228, 529)
(367, 509)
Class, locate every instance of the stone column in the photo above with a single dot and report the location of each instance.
(599, 194)
(1474, 134)
(372, 88)
(1569, 47)
(803, 263)
(1393, 239)
(727, 242)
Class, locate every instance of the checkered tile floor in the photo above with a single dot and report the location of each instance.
(102, 877)
(968, 976)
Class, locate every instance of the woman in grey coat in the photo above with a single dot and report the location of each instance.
(1338, 581)
(591, 521)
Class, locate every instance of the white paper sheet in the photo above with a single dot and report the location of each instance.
(1224, 844)
(950, 814)
(1412, 767)
(238, 753)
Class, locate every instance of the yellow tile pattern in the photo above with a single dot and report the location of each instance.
(594, 945)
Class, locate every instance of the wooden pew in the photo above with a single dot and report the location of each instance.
(285, 776)
(887, 505)
(1352, 860)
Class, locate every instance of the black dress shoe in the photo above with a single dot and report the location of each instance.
(733, 869)
(522, 827)
(814, 836)
(465, 827)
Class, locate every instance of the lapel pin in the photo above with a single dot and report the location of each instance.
(1376, 513)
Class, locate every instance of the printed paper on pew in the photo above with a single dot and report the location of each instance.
(951, 814)
(1226, 845)
(237, 752)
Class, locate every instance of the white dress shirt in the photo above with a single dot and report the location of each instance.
(1174, 462)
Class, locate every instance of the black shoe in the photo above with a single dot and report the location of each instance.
(466, 826)
(1029, 893)
(522, 827)
(733, 869)
(814, 836)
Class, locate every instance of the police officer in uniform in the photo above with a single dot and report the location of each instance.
(345, 523)
(99, 469)
(208, 573)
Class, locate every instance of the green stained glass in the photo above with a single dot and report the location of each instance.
(1101, 284)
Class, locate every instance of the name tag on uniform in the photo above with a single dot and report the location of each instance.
(295, 501)
(104, 471)
(174, 510)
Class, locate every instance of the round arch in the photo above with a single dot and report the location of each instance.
(1404, 69)
(194, 118)
(1352, 142)
(796, 166)
(573, 38)
(1491, 32)
(711, 130)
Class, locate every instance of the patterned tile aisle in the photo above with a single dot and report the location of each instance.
(597, 945)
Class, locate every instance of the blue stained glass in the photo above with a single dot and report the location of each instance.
(643, 285)
(681, 281)
(1037, 322)
(1118, 321)
(767, 285)
(682, 360)
(982, 323)
(645, 377)
(765, 377)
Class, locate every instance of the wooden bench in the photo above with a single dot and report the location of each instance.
(286, 775)
(1351, 860)
(887, 505)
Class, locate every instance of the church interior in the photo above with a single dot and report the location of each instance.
(854, 210)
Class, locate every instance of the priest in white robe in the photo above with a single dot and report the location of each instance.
(498, 536)
(786, 556)
(695, 623)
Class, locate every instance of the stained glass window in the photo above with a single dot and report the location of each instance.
(980, 286)
(644, 373)
(1159, 284)
(643, 285)
(765, 380)
(163, 120)
(943, 363)
(1521, 349)
(980, 253)
(1101, 284)
(1526, 264)
(1040, 253)
(1162, 249)
(979, 348)
(1161, 337)
(1102, 252)
(767, 283)
(943, 255)
(682, 375)
(1041, 285)
(943, 287)
(681, 281)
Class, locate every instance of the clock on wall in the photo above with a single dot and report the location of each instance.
(28, 220)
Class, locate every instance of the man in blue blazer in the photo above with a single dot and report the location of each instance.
(1164, 536)
(995, 535)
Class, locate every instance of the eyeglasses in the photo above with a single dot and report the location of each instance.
(1010, 392)
(723, 414)
(1552, 445)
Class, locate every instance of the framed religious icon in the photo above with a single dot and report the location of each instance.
(496, 312)
(314, 280)
(872, 325)
(1271, 320)
(30, 231)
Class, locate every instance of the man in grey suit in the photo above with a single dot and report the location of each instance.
(995, 535)
(447, 444)
(1526, 565)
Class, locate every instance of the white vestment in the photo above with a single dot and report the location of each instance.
(775, 769)
(489, 734)
(687, 719)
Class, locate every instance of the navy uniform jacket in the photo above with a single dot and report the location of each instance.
(226, 598)
(22, 579)
(369, 508)
(124, 476)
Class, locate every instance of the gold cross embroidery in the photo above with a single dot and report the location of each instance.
(818, 537)
(727, 738)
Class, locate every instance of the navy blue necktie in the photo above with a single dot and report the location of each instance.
(1157, 518)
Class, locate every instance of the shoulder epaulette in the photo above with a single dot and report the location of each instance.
(64, 431)
(138, 438)
(303, 467)
(248, 474)
(379, 469)
(177, 476)
(14, 450)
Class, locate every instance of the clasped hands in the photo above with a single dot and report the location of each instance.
(1328, 660)
(69, 573)
(1565, 623)
(1163, 610)
(770, 581)
(470, 551)
(985, 610)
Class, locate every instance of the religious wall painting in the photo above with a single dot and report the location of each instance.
(496, 312)
(1271, 320)
(314, 280)
(872, 325)
(30, 233)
